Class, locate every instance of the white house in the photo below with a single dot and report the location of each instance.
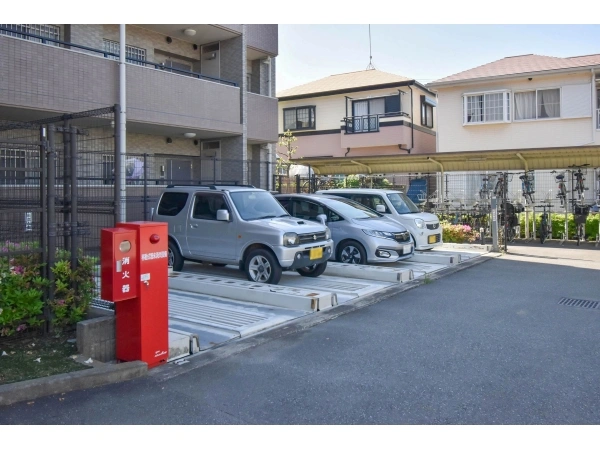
(520, 102)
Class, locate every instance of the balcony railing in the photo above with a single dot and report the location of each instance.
(369, 123)
(362, 124)
(69, 45)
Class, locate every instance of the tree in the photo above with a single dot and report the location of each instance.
(286, 141)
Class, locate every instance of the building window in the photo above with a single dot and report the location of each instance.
(426, 113)
(130, 52)
(539, 104)
(13, 163)
(301, 118)
(486, 107)
(47, 31)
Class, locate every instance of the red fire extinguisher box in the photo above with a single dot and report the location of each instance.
(141, 319)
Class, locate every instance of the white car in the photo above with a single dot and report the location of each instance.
(424, 227)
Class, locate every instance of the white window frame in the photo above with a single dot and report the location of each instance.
(130, 51)
(44, 30)
(536, 104)
(506, 106)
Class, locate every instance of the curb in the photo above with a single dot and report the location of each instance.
(72, 381)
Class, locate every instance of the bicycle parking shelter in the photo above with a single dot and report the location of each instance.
(519, 160)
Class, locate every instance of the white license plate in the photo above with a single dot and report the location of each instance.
(407, 249)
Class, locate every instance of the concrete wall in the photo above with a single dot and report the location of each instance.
(44, 77)
(263, 37)
(262, 118)
(453, 136)
(159, 97)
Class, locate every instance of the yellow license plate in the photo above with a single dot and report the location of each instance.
(316, 253)
(431, 239)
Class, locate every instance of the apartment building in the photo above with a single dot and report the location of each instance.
(200, 98)
(359, 114)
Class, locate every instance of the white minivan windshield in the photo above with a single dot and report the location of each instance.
(402, 203)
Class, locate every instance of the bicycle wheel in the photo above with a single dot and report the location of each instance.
(579, 234)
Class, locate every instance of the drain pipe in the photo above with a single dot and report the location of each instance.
(122, 124)
(440, 165)
(526, 209)
(412, 121)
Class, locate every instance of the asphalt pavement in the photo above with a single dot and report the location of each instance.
(491, 344)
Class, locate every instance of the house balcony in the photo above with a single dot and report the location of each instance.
(56, 76)
(374, 130)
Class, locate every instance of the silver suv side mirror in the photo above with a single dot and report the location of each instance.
(322, 218)
(380, 208)
(223, 215)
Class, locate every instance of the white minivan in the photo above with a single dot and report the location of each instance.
(424, 227)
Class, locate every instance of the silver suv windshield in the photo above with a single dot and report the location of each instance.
(402, 204)
(254, 205)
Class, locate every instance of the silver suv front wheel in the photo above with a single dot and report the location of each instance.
(262, 267)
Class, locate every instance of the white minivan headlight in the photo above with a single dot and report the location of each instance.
(420, 223)
(290, 239)
(327, 233)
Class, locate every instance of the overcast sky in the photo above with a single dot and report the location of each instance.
(423, 52)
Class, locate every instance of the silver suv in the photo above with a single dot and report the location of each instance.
(241, 225)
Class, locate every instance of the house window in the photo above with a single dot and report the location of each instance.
(130, 52)
(426, 113)
(539, 104)
(486, 107)
(300, 118)
(48, 31)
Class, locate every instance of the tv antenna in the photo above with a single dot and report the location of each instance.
(370, 66)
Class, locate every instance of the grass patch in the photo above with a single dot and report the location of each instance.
(55, 357)
(427, 280)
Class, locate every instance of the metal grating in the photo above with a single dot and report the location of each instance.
(99, 303)
(587, 304)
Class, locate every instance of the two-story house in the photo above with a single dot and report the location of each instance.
(520, 102)
(527, 112)
(200, 98)
(364, 113)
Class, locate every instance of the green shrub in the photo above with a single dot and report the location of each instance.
(558, 224)
(74, 290)
(21, 290)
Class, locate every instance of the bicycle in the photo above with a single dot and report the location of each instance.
(562, 187)
(486, 187)
(527, 182)
(508, 220)
(545, 230)
(579, 179)
(499, 188)
(580, 213)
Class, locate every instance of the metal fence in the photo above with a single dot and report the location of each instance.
(58, 188)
